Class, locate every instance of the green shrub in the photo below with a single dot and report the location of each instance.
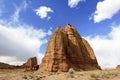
(24, 77)
(71, 72)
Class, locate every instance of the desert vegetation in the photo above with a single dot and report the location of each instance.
(19, 74)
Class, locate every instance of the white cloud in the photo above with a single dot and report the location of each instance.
(74, 3)
(39, 57)
(15, 17)
(25, 5)
(107, 48)
(11, 60)
(106, 9)
(20, 43)
(43, 12)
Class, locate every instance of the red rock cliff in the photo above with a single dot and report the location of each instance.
(31, 64)
(67, 49)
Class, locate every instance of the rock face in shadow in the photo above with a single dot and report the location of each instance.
(67, 49)
(31, 64)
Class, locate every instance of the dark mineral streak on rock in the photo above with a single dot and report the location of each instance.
(67, 49)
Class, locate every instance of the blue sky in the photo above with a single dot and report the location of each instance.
(26, 26)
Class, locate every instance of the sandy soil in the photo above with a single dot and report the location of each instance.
(82, 75)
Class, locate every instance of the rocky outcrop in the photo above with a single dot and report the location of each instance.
(31, 64)
(118, 67)
(67, 49)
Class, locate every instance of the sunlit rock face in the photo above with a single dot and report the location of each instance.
(67, 49)
(118, 67)
(31, 64)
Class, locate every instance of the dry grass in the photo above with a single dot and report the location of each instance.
(105, 74)
(71, 75)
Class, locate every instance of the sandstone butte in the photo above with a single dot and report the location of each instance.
(67, 49)
(31, 64)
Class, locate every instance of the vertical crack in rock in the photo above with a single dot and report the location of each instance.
(67, 49)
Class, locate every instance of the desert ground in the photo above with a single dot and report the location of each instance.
(19, 74)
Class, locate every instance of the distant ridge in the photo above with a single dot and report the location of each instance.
(4, 64)
(8, 66)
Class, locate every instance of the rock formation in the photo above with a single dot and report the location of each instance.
(118, 67)
(67, 49)
(31, 64)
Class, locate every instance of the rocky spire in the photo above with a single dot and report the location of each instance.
(31, 64)
(67, 49)
(58, 29)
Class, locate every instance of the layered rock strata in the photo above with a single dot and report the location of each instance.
(67, 49)
(31, 64)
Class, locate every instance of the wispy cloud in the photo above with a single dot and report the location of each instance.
(21, 42)
(74, 3)
(18, 9)
(107, 47)
(43, 11)
(15, 16)
(25, 5)
(105, 9)
(1, 8)
(0, 12)
(48, 18)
